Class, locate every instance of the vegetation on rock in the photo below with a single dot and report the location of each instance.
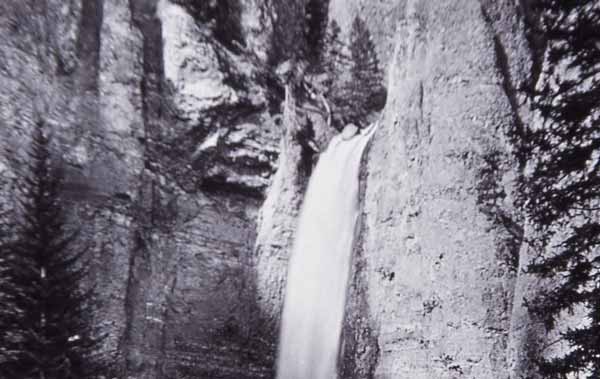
(45, 326)
(364, 91)
(355, 80)
(315, 30)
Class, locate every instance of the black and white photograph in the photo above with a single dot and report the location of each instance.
(299, 189)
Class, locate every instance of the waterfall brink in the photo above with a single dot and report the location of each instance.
(320, 264)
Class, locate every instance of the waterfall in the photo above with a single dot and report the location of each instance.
(320, 264)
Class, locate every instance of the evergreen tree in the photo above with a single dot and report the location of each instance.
(366, 72)
(44, 314)
(335, 60)
(316, 13)
(364, 92)
(562, 191)
(288, 40)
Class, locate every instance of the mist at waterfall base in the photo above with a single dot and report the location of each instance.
(319, 266)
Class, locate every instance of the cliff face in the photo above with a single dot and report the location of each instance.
(167, 161)
(440, 237)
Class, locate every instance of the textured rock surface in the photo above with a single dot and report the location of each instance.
(214, 95)
(165, 188)
(439, 270)
(441, 236)
(191, 65)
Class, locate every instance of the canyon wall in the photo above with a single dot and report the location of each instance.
(168, 148)
(441, 236)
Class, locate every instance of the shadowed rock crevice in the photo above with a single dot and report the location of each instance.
(492, 199)
(144, 17)
(144, 332)
(139, 271)
(88, 43)
(219, 185)
(509, 84)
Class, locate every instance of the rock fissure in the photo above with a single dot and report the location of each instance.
(502, 64)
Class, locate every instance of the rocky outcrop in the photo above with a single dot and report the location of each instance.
(191, 65)
(211, 86)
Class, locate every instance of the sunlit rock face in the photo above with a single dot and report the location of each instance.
(434, 286)
(213, 94)
(190, 64)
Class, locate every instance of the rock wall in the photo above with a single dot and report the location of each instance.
(168, 149)
(441, 237)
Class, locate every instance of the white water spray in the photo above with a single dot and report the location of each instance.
(320, 264)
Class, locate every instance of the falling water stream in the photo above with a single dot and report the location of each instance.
(320, 264)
